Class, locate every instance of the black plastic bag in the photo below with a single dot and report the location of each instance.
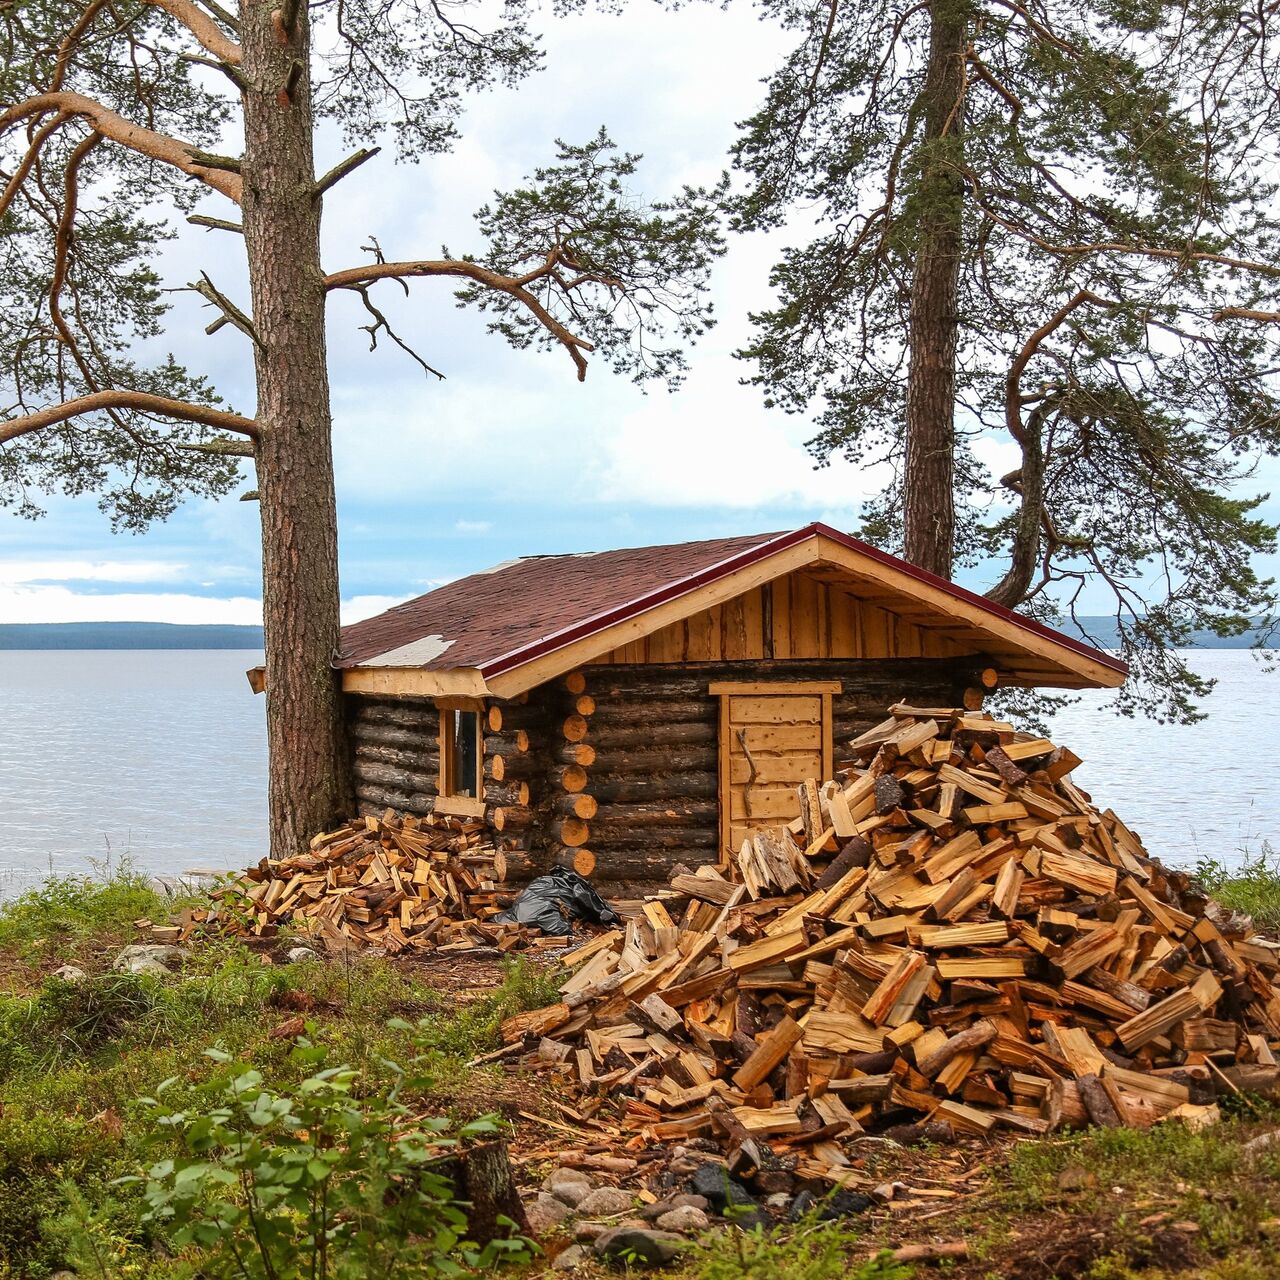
(551, 901)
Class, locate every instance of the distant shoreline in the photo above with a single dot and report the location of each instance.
(168, 635)
(126, 635)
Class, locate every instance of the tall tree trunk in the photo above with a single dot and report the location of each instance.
(308, 781)
(928, 498)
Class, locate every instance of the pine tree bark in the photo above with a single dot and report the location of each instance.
(309, 784)
(929, 475)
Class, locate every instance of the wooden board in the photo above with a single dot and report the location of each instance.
(769, 746)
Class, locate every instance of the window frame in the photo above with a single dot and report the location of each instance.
(448, 800)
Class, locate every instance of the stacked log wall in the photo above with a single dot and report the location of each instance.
(395, 753)
(649, 752)
(614, 770)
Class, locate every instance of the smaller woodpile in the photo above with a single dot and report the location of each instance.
(396, 882)
(952, 931)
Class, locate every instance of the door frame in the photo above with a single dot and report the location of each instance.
(727, 689)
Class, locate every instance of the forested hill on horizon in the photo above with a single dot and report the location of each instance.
(167, 635)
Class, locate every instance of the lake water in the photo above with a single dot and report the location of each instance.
(160, 756)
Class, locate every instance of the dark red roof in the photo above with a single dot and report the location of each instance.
(511, 614)
(503, 610)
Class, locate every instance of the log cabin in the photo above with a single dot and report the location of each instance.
(622, 712)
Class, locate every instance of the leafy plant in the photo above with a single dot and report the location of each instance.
(315, 1181)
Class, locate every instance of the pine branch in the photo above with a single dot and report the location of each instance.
(158, 146)
(514, 287)
(136, 401)
(205, 30)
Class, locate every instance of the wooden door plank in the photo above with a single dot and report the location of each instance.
(782, 737)
(747, 710)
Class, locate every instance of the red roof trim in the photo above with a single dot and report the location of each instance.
(672, 591)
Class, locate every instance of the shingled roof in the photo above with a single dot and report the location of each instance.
(515, 617)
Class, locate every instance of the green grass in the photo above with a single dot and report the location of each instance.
(75, 1057)
(809, 1250)
(59, 917)
(1253, 886)
(1126, 1176)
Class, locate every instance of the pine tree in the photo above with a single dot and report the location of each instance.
(109, 113)
(1053, 226)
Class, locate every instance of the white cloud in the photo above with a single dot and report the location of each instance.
(473, 526)
(14, 571)
(717, 446)
(60, 604)
(360, 607)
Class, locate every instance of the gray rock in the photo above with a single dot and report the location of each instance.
(631, 1245)
(654, 1211)
(69, 973)
(149, 957)
(588, 1231)
(545, 1212)
(570, 1185)
(779, 1200)
(300, 955)
(571, 1258)
(684, 1218)
(604, 1201)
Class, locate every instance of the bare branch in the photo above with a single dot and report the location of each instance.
(227, 69)
(344, 167)
(215, 224)
(381, 322)
(231, 314)
(159, 146)
(460, 269)
(221, 448)
(139, 401)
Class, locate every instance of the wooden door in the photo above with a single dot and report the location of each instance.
(773, 737)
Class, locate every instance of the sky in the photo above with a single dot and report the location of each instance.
(510, 455)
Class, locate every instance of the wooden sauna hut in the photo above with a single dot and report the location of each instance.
(625, 711)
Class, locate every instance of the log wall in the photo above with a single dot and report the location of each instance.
(614, 769)
(652, 741)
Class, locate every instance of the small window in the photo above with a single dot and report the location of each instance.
(460, 754)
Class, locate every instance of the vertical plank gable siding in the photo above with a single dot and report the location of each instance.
(652, 736)
(796, 616)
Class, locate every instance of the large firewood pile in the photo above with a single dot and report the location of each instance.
(399, 883)
(951, 931)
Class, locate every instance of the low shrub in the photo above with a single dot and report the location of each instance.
(317, 1180)
(1252, 885)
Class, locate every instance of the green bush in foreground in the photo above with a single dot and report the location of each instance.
(313, 1181)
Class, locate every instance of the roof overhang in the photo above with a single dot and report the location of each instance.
(1026, 651)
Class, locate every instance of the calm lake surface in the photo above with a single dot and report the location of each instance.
(160, 756)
